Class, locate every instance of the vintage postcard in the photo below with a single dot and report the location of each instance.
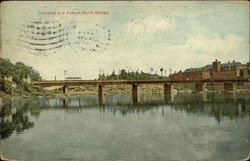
(125, 80)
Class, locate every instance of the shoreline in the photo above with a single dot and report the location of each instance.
(74, 93)
(54, 91)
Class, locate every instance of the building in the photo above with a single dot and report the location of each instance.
(10, 80)
(216, 70)
(245, 71)
(27, 80)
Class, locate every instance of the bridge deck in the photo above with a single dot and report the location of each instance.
(129, 82)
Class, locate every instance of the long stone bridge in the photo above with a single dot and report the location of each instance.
(229, 84)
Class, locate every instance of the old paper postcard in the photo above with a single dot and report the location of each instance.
(125, 80)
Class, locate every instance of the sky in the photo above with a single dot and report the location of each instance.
(132, 35)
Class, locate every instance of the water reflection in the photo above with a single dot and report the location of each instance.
(14, 119)
(15, 113)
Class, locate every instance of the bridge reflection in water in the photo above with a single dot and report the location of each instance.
(169, 121)
(15, 114)
(214, 103)
(89, 100)
(145, 99)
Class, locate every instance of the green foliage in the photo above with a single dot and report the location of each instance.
(6, 68)
(19, 123)
(17, 71)
(6, 86)
(22, 71)
(124, 75)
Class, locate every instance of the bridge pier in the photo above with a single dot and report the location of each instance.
(167, 92)
(168, 98)
(134, 94)
(100, 94)
(168, 88)
(65, 89)
(1, 102)
(65, 102)
(229, 96)
(199, 87)
(229, 86)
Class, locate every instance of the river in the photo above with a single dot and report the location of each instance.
(183, 126)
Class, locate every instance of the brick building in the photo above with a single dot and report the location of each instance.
(216, 70)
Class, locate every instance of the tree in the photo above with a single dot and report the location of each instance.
(6, 68)
(23, 71)
(19, 71)
(161, 71)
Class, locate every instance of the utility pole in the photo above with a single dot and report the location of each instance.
(99, 77)
(65, 74)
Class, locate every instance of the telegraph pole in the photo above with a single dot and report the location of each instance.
(65, 74)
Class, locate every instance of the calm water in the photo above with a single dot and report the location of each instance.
(212, 126)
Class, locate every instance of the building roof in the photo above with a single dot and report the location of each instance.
(193, 69)
(231, 64)
(209, 66)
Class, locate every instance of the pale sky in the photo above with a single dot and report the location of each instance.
(134, 35)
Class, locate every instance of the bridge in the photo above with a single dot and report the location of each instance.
(229, 84)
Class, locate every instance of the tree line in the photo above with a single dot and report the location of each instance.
(128, 75)
(18, 71)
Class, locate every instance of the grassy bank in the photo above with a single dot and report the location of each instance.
(87, 89)
(151, 88)
(23, 90)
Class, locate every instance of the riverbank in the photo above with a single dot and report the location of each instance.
(106, 89)
(151, 88)
(33, 91)
(28, 91)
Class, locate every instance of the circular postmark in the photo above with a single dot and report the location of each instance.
(43, 37)
(47, 37)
